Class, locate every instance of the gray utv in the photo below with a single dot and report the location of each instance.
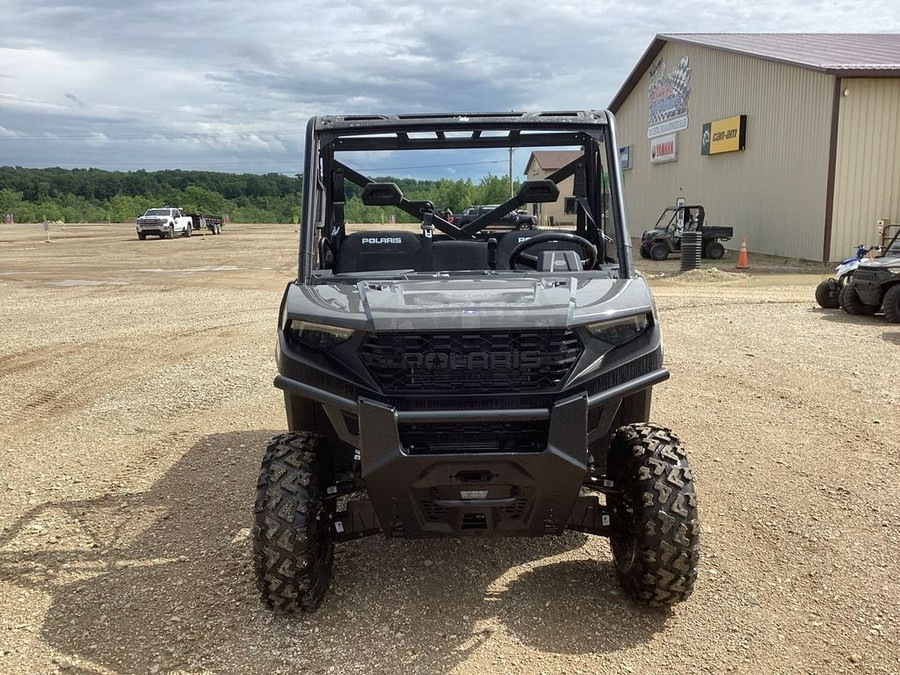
(444, 380)
(876, 282)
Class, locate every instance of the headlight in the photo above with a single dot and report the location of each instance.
(894, 270)
(318, 335)
(619, 331)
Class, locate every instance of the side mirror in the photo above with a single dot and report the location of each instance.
(535, 191)
(382, 194)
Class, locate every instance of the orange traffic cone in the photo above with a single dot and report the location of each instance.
(742, 257)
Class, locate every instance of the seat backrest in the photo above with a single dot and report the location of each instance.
(378, 250)
(450, 255)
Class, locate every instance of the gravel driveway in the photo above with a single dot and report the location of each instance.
(136, 398)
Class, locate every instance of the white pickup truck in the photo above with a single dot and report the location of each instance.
(164, 223)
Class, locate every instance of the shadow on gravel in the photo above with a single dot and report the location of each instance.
(892, 336)
(840, 316)
(162, 580)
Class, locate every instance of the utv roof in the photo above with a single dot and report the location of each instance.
(369, 123)
(460, 130)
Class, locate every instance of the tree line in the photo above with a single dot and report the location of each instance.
(95, 195)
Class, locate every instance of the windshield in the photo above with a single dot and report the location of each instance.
(158, 212)
(387, 208)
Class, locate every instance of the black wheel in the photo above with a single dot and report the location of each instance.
(188, 231)
(293, 550)
(656, 560)
(142, 236)
(645, 252)
(892, 304)
(659, 251)
(171, 233)
(827, 294)
(714, 250)
(850, 302)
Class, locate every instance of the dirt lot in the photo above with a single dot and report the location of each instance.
(136, 397)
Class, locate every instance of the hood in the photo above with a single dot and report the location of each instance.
(880, 263)
(469, 304)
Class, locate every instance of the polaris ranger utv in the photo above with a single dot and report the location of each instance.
(451, 381)
(665, 237)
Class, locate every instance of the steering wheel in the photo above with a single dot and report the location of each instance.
(518, 254)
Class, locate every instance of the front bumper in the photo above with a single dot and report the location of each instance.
(498, 493)
(870, 285)
(156, 228)
(428, 489)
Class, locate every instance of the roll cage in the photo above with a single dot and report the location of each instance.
(599, 207)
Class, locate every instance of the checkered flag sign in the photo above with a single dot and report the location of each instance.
(669, 92)
(681, 77)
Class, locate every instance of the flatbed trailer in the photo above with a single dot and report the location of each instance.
(200, 222)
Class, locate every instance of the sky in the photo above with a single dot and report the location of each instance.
(225, 85)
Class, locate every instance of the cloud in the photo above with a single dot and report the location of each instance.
(74, 99)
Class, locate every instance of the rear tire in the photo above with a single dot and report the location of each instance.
(657, 559)
(293, 549)
(892, 304)
(188, 231)
(827, 294)
(714, 250)
(659, 251)
(850, 302)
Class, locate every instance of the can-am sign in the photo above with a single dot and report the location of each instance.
(727, 135)
(663, 149)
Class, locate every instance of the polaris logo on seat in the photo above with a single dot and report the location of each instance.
(382, 240)
(471, 361)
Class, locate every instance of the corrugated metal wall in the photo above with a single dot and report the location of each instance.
(773, 192)
(867, 174)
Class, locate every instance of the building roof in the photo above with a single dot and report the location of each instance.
(551, 160)
(840, 54)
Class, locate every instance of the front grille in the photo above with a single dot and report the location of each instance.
(516, 510)
(432, 511)
(865, 275)
(488, 437)
(476, 362)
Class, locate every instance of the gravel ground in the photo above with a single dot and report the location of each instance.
(136, 399)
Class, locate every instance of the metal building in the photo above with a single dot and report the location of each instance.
(792, 139)
(541, 164)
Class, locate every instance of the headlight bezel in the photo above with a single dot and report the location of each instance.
(619, 331)
(319, 336)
